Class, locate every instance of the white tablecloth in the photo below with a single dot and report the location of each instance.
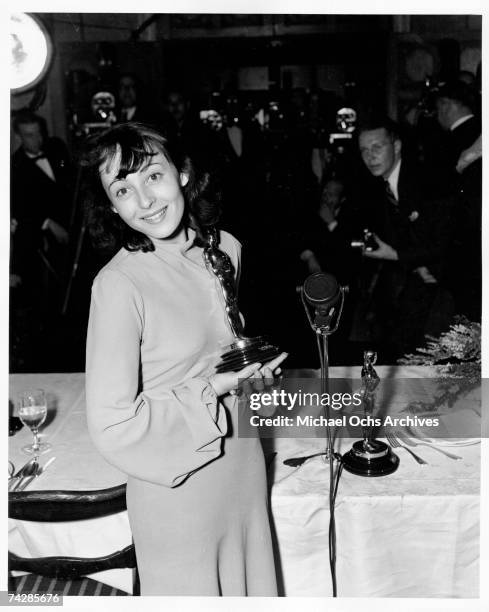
(414, 533)
(78, 466)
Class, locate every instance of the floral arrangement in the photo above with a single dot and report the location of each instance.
(456, 351)
(457, 355)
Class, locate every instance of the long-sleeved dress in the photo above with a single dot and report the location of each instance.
(196, 491)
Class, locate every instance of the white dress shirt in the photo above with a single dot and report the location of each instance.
(393, 180)
(43, 164)
(463, 119)
(128, 113)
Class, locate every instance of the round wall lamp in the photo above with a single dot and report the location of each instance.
(31, 52)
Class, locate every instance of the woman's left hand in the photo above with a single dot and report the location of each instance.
(227, 382)
(265, 375)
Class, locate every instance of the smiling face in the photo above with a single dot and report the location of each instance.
(379, 151)
(149, 200)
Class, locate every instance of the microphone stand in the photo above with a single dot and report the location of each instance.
(323, 329)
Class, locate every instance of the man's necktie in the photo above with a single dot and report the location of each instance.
(38, 157)
(390, 195)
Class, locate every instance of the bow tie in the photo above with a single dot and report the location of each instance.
(37, 157)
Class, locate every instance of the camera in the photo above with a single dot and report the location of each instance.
(367, 243)
(342, 139)
(211, 118)
(102, 115)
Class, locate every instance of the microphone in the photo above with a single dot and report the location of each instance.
(322, 292)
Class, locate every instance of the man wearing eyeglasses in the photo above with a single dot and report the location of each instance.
(411, 235)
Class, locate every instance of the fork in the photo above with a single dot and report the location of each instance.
(411, 442)
(396, 444)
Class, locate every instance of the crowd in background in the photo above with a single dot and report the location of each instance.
(299, 201)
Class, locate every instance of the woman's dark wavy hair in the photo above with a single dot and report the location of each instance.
(137, 142)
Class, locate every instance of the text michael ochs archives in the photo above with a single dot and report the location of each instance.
(274, 409)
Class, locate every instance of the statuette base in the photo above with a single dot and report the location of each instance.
(377, 461)
(245, 351)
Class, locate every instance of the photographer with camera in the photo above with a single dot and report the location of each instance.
(411, 230)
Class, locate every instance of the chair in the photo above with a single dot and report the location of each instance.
(58, 506)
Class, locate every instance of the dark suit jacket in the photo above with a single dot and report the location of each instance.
(465, 257)
(419, 227)
(34, 198)
(333, 249)
(142, 114)
(464, 135)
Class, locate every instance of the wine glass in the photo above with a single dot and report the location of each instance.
(32, 412)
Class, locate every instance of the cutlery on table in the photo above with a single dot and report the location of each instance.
(44, 467)
(411, 442)
(25, 467)
(394, 442)
(28, 469)
(296, 461)
(40, 470)
(26, 480)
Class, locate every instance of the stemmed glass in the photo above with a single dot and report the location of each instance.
(32, 412)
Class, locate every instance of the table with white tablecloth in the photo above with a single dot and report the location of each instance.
(414, 533)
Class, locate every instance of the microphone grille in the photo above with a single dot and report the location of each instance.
(321, 289)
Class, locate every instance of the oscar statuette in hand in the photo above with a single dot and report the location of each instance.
(243, 351)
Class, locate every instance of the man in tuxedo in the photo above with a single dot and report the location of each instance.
(41, 199)
(456, 103)
(411, 229)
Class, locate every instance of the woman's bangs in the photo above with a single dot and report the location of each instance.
(133, 154)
